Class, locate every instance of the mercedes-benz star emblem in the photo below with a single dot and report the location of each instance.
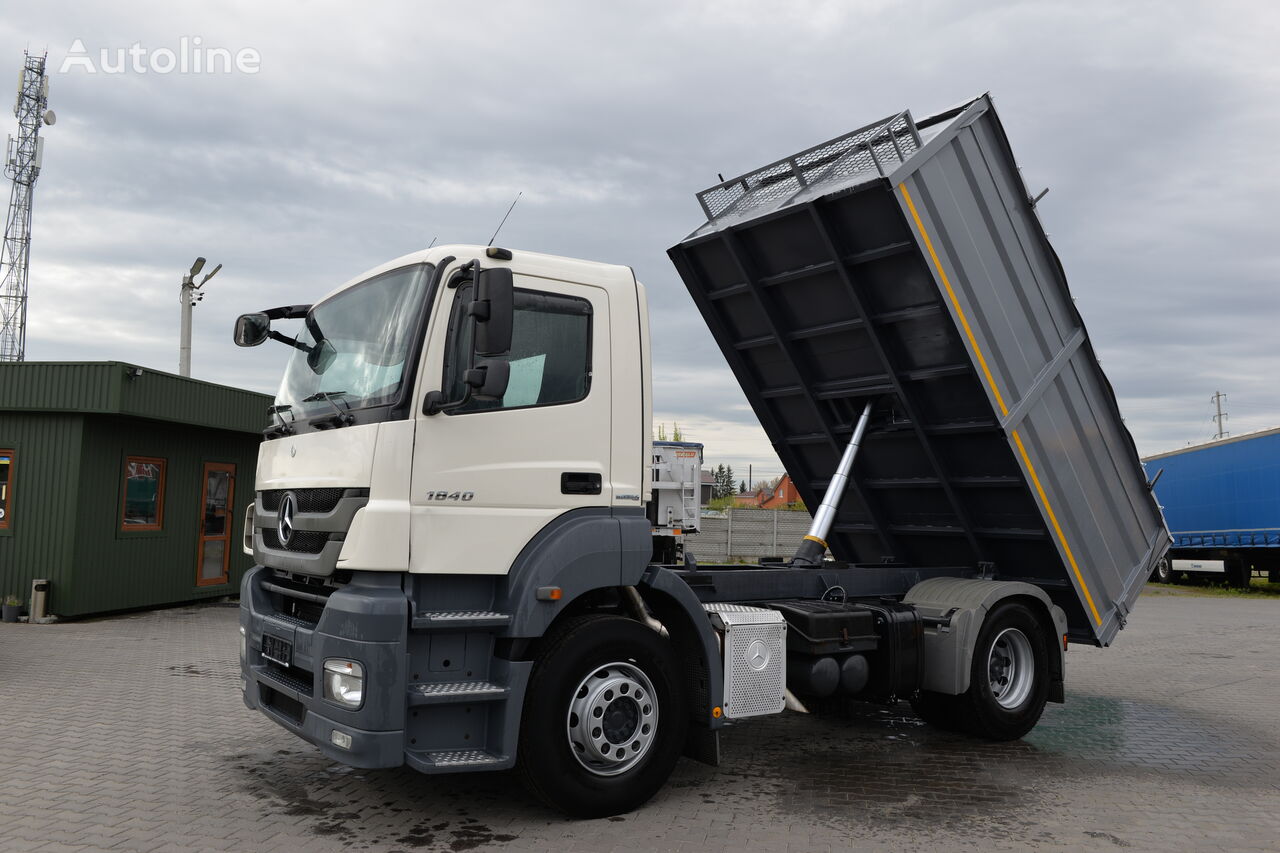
(757, 655)
(284, 519)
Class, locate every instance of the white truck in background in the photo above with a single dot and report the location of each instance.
(455, 565)
(675, 508)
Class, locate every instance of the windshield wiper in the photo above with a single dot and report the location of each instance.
(284, 427)
(339, 417)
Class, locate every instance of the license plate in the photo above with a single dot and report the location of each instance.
(277, 650)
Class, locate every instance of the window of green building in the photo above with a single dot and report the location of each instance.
(6, 489)
(143, 493)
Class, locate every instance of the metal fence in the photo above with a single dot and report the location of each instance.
(748, 534)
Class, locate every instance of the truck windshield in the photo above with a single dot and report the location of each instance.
(368, 326)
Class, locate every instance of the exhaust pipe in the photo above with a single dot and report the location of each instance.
(814, 545)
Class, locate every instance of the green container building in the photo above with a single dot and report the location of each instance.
(123, 486)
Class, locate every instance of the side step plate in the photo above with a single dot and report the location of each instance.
(447, 692)
(460, 620)
(451, 761)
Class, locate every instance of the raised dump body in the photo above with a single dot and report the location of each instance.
(904, 262)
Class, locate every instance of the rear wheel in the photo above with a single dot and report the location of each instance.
(604, 719)
(1163, 572)
(1009, 675)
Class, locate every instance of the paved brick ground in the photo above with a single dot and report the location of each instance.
(128, 733)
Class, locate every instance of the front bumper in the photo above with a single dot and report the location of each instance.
(365, 621)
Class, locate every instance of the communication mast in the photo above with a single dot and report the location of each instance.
(22, 166)
(1221, 417)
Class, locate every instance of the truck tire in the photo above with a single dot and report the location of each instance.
(1008, 676)
(940, 710)
(1163, 572)
(605, 717)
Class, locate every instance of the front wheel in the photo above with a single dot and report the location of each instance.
(605, 717)
(1009, 675)
(1164, 571)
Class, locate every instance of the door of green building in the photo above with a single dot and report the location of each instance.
(217, 505)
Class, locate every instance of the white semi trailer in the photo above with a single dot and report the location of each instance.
(454, 563)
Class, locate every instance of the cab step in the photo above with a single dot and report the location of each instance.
(449, 761)
(460, 620)
(454, 692)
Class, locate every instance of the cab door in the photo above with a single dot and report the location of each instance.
(487, 476)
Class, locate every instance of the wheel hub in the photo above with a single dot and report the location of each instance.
(612, 719)
(1011, 668)
(621, 719)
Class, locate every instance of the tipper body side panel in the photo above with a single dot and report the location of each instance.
(905, 263)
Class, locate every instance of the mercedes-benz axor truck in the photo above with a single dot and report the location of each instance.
(455, 568)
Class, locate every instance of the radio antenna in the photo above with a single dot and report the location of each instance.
(504, 219)
(433, 241)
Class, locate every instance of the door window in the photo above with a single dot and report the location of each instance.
(550, 351)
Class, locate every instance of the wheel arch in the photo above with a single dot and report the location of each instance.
(695, 641)
(954, 611)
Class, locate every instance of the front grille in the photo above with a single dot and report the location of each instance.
(293, 600)
(290, 676)
(309, 500)
(302, 542)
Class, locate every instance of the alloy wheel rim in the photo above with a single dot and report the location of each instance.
(612, 719)
(1011, 668)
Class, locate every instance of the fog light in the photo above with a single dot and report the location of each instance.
(340, 739)
(244, 645)
(344, 683)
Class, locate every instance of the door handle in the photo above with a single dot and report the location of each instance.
(579, 483)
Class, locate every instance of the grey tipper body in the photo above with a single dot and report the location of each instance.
(902, 329)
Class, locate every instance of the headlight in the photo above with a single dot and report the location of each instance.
(344, 683)
(244, 645)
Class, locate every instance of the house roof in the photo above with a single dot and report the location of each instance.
(120, 388)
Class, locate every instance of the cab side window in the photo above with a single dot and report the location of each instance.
(550, 351)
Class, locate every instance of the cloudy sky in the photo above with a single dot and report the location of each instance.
(358, 136)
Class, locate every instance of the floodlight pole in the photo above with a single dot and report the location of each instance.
(184, 347)
(188, 296)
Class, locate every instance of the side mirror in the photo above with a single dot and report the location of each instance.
(489, 380)
(493, 310)
(321, 356)
(251, 329)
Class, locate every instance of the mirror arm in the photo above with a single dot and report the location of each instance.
(287, 312)
(435, 404)
(285, 339)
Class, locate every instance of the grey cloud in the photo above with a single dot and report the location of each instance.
(364, 136)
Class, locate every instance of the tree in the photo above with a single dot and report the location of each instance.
(729, 480)
(742, 487)
(676, 434)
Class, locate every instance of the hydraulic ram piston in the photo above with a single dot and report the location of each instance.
(814, 544)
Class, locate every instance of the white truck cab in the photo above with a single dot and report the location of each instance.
(567, 432)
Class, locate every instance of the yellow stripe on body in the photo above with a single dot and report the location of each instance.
(964, 321)
(1017, 439)
(995, 391)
